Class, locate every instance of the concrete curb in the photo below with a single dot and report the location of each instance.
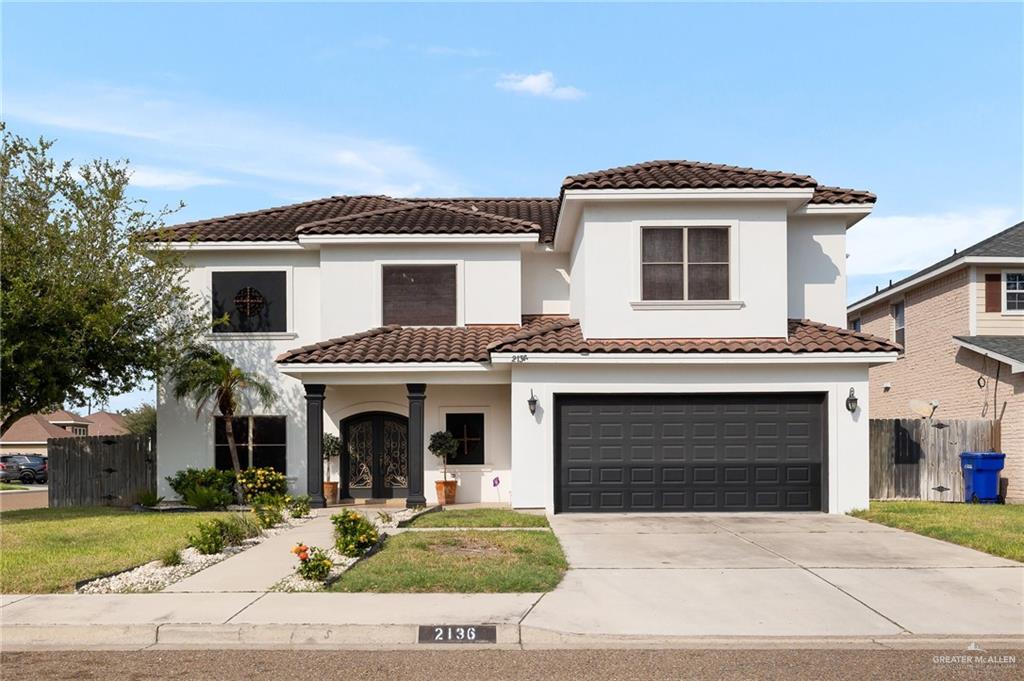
(179, 636)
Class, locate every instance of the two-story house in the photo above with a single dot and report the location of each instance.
(660, 337)
(960, 323)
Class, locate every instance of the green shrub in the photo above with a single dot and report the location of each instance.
(236, 528)
(171, 558)
(191, 478)
(257, 481)
(207, 498)
(208, 538)
(314, 564)
(354, 534)
(268, 509)
(148, 499)
(299, 506)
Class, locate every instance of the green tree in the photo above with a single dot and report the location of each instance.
(141, 420)
(93, 303)
(213, 381)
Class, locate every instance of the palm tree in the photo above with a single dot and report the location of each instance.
(211, 378)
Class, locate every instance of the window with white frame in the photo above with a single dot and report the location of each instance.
(685, 263)
(899, 318)
(1013, 293)
(249, 302)
(468, 430)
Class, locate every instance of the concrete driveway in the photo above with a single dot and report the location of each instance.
(769, 575)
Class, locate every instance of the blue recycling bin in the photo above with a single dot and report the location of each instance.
(981, 476)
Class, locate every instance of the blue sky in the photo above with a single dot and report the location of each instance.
(234, 107)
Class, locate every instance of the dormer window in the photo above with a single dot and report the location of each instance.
(419, 295)
(685, 263)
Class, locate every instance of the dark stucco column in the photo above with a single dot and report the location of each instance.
(417, 394)
(315, 444)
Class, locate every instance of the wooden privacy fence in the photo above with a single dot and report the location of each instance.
(100, 471)
(920, 458)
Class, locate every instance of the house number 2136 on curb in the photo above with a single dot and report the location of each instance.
(458, 633)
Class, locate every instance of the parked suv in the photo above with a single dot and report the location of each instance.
(27, 468)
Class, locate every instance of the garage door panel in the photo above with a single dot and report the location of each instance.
(690, 452)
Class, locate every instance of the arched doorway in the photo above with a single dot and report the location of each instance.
(375, 456)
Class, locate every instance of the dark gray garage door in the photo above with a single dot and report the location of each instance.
(689, 452)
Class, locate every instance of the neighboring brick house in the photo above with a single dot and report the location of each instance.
(961, 322)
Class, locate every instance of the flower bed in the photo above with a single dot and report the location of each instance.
(382, 521)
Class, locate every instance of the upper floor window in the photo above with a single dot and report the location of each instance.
(419, 295)
(685, 263)
(855, 325)
(261, 442)
(250, 302)
(1014, 293)
(899, 318)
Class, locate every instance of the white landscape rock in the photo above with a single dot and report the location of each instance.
(155, 576)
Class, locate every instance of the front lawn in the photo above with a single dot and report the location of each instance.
(479, 517)
(993, 528)
(461, 562)
(6, 487)
(46, 550)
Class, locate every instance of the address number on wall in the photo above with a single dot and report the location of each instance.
(458, 633)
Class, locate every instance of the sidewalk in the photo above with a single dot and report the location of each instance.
(352, 621)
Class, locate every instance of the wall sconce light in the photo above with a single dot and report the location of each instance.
(851, 402)
(532, 403)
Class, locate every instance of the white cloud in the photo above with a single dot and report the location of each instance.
(209, 142)
(165, 178)
(538, 85)
(883, 245)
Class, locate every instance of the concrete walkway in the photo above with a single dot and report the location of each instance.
(257, 569)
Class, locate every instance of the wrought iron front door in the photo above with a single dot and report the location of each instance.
(375, 456)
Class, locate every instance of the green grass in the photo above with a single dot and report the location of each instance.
(460, 562)
(479, 517)
(6, 486)
(47, 550)
(993, 528)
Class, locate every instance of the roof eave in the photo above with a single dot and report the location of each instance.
(1016, 365)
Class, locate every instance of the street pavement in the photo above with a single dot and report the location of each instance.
(494, 665)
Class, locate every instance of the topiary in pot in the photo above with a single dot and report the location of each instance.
(444, 446)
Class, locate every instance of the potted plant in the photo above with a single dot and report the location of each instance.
(331, 450)
(443, 445)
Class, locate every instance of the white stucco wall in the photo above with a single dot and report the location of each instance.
(533, 436)
(182, 440)
(545, 281)
(608, 266)
(350, 277)
(816, 251)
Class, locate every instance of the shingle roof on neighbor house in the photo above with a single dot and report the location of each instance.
(1008, 243)
(1004, 347)
(33, 428)
(494, 215)
(557, 334)
(64, 416)
(107, 423)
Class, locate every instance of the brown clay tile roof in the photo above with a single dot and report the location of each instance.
(504, 215)
(421, 217)
(285, 222)
(697, 175)
(552, 333)
(804, 336)
(839, 195)
(686, 175)
(274, 224)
